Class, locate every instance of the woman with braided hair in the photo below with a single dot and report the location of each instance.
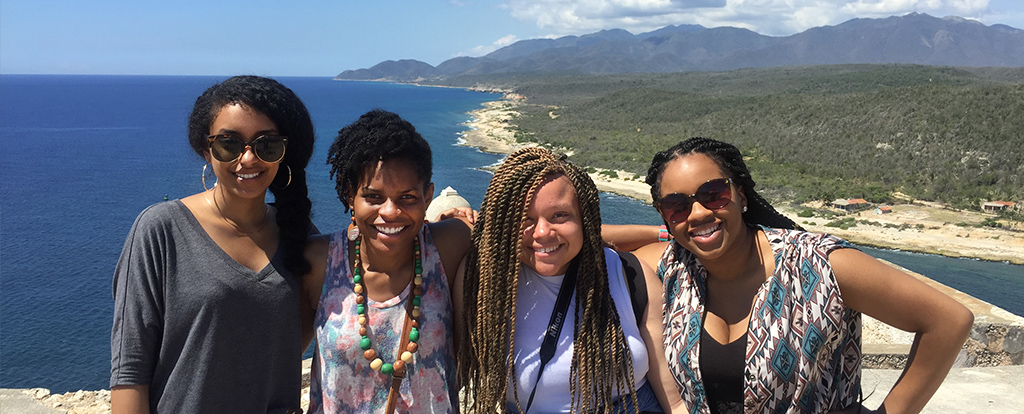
(206, 291)
(538, 262)
(378, 295)
(761, 317)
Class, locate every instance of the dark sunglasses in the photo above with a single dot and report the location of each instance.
(228, 148)
(713, 195)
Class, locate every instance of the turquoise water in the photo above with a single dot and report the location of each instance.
(81, 156)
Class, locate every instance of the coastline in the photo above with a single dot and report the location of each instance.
(925, 228)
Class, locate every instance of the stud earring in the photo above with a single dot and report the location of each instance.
(744, 209)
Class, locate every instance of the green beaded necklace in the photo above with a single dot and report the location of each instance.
(406, 356)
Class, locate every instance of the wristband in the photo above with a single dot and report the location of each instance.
(663, 235)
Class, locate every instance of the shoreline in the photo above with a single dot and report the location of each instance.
(927, 228)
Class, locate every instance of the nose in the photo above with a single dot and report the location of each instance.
(542, 229)
(698, 212)
(248, 156)
(389, 209)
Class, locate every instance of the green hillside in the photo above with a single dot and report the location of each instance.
(952, 135)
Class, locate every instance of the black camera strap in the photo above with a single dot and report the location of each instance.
(547, 347)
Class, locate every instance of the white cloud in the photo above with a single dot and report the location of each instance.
(485, 49)
(771, 17)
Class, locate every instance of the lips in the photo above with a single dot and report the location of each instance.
(546, 250)
(248, 176)
(706, 231)
(389, 230)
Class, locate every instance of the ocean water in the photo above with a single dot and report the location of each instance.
(81, 156)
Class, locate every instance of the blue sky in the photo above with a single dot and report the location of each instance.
(325, 37)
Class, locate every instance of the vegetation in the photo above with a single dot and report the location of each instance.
(951, 135)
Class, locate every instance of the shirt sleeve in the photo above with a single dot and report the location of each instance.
(138, 299)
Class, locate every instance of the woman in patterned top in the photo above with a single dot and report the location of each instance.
(762, 317)
(378, 295)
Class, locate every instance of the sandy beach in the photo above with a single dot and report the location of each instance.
(912, 226)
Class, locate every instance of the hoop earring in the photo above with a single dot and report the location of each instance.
(289, 178)
(204, 178)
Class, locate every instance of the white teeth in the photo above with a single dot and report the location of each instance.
(248, 176)
(391, 230)
(706, 231)
(546, 249)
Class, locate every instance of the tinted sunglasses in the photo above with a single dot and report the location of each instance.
(713, 195)
(228, 148)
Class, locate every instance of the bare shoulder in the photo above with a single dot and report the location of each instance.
(451, 234)
(317, 247)
(651, 254)
(451, 237)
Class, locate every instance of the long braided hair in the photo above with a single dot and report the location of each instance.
(601, 360)
(729, 159)
(281, 105)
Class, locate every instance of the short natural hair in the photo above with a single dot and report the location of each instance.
(376, 136)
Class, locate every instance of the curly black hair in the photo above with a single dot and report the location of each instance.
(729, 159)
(376, 136)
(291, 118)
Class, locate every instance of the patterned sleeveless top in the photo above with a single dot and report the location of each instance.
(342, 381)
(803, 344)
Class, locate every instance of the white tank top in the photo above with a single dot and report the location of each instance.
(536, 300)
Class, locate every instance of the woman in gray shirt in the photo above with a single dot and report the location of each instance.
(206, 298)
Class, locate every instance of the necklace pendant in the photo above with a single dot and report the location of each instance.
(353, 232)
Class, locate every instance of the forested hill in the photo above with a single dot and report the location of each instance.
(913, 38)
(952, 135)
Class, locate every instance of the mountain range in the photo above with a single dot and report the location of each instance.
(912, 38)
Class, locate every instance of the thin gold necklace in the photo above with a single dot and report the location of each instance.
(216, 206)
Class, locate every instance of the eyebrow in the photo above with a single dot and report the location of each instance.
(406, 191)
(225, 131)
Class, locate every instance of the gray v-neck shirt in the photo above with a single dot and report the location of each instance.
(206, 333)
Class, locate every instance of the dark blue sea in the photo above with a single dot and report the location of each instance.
(81, 156)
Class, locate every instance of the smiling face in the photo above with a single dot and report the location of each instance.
(390, 205)
(709, 234)
(247, 177)
(553, 233)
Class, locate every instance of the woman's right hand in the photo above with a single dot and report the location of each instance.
(462, 213)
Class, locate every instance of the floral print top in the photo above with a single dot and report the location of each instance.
(341, 379)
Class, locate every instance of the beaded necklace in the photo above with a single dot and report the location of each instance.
(406, 356)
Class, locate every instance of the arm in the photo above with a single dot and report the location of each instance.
(459, 306)
(313, 285)
(452, 238)
(658, 374)
(139, 310)
(129, 399)
(629, 237)
(651, 253)
(896, 298)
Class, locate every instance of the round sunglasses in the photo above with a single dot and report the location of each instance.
(713, 195)
(228, 148)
